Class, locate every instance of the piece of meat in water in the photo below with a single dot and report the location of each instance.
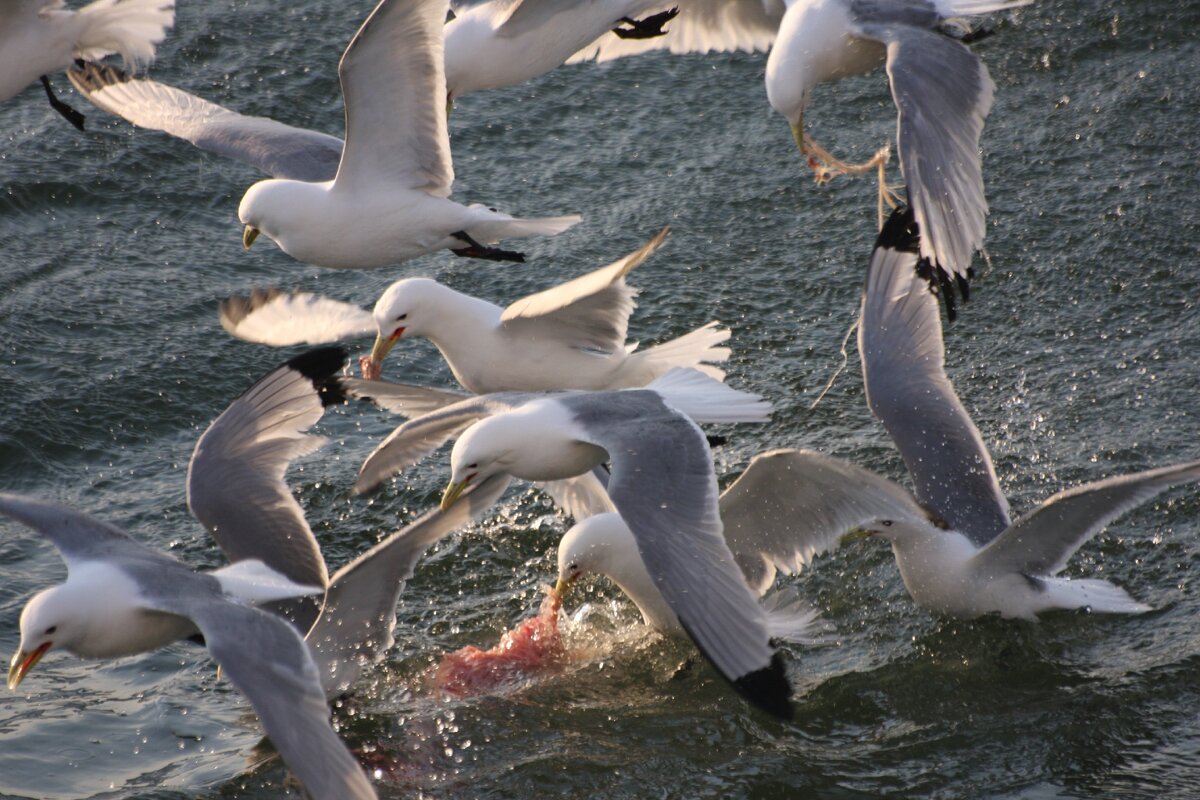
(370, 370)
(533, 646)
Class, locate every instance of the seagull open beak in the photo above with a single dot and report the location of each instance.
(856, 535)
(454, 491)
(22, 662)
(249, 234)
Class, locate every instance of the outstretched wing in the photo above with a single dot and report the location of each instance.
(665, 489)
(356, 625)
(280, 319)
(235, 483)
(1041, 542)
(590, 312)
(268, 661)
(943, 93)
(903, 356)
(279, 150)
(791, 505)
(394, 85)
(417, 438)
(703, 26)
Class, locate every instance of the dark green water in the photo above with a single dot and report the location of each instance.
(1077, 357)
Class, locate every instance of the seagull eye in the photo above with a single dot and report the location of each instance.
(887, 523)
(473, 466)
(52, 629)
(402, 317)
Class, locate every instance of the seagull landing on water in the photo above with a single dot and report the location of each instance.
(941, 89)
(958, 551)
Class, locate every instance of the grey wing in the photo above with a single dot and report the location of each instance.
(280, 319)
(792, 505)
(417, 438)
(590, 312)
(665, 489)
(268, 661)
(943, 93)
(394, 86)
(235, 482)
(355, 627)
(903, 357)
(581, 497)
(1042, 541)
(279, 150)
(703, 26)
(77, 536)
(404, 399)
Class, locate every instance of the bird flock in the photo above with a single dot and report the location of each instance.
(550, 389)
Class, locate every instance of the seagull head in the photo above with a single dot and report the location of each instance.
(599, 545)
(402, 310)
(46, 623)
(485, 449)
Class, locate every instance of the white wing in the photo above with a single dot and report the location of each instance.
(279, 150)
(1041, 542)
(590, 311)
(394, 86)
(792, 505)
(280, 319)
(702, 26)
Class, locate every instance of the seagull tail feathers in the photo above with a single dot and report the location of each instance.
(130, 28)
(501, 226)
(970, 8)
(1099, 596)
(706, 399)
(790, 619)
(690, 350)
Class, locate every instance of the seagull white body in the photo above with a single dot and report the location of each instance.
(390, 198)
(38, 37)
(604, 545)
(957, 549)
(664, 487)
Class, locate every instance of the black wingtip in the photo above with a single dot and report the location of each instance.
(769, 689)
(716, 440)
(322, 365)
(901, 232)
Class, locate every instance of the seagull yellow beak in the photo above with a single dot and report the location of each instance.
(22, 662)
(798, 135)
(249, 234)
(383, 345)
(561, 586)
(856, 535)
(453, 492)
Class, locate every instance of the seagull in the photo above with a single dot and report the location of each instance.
(664, 487)
(122, 598)
(236, 489)
(958, 551)
(569, 337)
(436, 416)
(506, 42)
(758, 512)
(942, 92)
(383, 197)
(42, 36)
